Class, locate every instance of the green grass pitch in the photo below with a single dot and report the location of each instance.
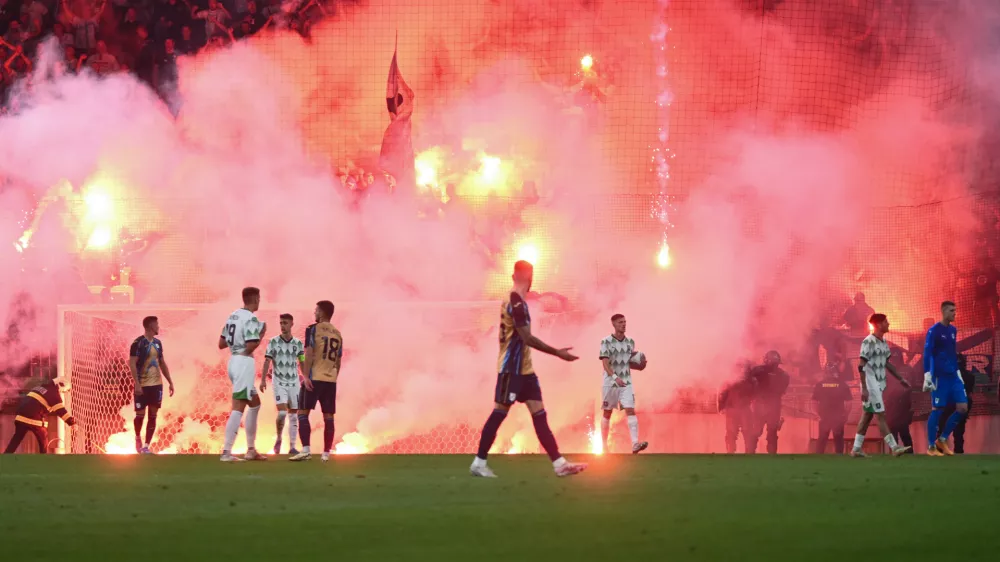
(397, 508)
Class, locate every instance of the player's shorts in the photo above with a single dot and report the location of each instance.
(874, 404)
(516, 388)
(149, 396)
(242, 373)
(324, 393)
(950, 390)
(287, 395)
(614, 396)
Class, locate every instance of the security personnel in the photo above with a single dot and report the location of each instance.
(32, 412)
(735, 400)
(771, 383)
(833, 398)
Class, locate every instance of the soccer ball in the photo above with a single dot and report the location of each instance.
(638, 358)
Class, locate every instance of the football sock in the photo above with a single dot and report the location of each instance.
(489, 434)
(859, 440)
(137, 423)
(251, 427)
(293, 430)
(891, 442)
(279, 424)
(605, 430)
(949, 426)
(541, 422)
(304, 430)
(232, 428)
(933, 421)
(150, 428)
(633, 429)
(327, 434)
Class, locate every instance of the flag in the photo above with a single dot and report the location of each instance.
(396, 156)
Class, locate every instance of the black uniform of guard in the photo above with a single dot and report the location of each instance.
(771, 383)
(899, 412)
(831, 394)
(32, 412)
(735, 400)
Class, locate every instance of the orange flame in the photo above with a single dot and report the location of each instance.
(353, 444)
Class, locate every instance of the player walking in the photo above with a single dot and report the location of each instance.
(324, 351)
(616, 356)
(943, 378)
(287, 353)
(147, 363)
(242, 334)
(875, 354)
(517, 382)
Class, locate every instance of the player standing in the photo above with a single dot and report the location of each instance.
(324, 351)
(943, 378)
(516, 379)
(616, 356)
(874, 362)
(242, 334)
(146, 361)
(287, 353)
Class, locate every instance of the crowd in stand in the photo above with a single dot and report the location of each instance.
(140, 36)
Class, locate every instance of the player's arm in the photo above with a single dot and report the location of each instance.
(308, 356)
(60, 410)
(864, 384)
(523, 327)
(265, 372)
(166, 374)
(892, 371)
(223, 344)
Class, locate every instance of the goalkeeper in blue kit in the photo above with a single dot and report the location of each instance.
(944, 380)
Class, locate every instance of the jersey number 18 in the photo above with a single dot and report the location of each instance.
(331, 347)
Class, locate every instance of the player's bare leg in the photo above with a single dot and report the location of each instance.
(859, 437)
(540, 420)
(633, 430)
(251, 430)
(486, 439)
(606, 429)
(150, 428)
(889, 438)
(232, 428)
(279, 427)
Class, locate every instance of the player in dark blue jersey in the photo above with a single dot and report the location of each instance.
(944, 380)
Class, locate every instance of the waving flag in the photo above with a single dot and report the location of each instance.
(396, 156)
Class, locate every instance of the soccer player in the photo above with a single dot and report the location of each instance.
(32, 412)
(874, 362)
(242, 334)
(149, 367)
(287, 353)
(943, 378)
(324, 351)
(616, 356)
(516, 379)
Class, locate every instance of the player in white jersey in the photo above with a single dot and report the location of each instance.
(287, 353)
(242, 334)
(874, 362)
(617, 352)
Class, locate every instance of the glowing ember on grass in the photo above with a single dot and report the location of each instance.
(353, 444)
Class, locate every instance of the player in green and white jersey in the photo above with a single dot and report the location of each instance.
(287, 353)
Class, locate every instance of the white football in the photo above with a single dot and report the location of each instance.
(638, 358)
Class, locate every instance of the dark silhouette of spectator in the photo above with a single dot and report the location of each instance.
(833, 398)
(735, 401)
(856, 317)
(103, 62)
(986, 299)
(899, 412)
(128, 24)
(145, 59)
(165, 69)
(186, 45)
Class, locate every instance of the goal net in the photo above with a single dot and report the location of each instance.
(402, 363)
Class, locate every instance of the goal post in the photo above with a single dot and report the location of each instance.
(93, 349)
